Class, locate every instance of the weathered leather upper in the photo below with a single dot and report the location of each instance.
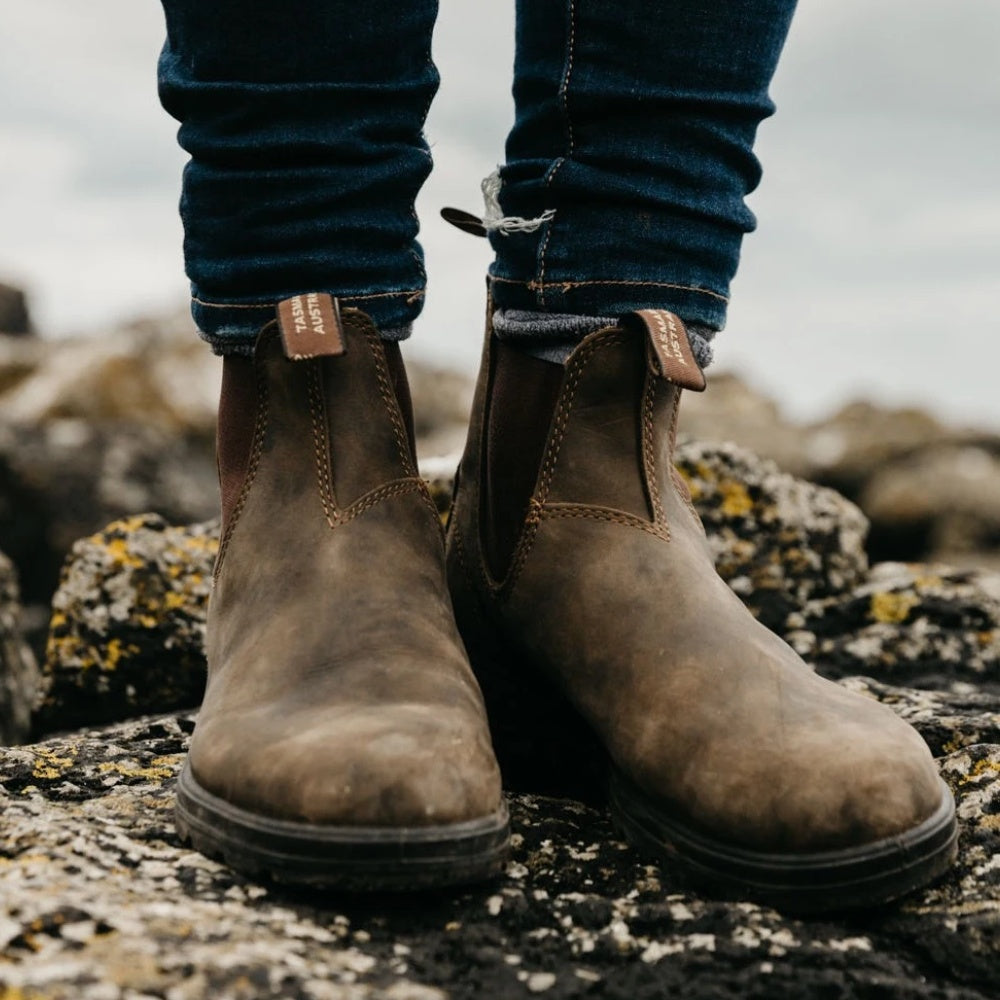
(338, 691)
(611, 591)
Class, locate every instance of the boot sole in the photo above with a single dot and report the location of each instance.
(349, 858)
(823, 881)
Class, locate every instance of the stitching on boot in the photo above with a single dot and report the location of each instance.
(609, 514)
(256, 449)
(396, 488)
(602, 340)
(649, 396)
(396, 417)
(385, 388)
(321, 445)
(678, 480)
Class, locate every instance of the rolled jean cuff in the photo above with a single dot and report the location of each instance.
(232, 327)
(611, 297)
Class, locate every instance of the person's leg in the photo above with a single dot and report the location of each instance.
(633, 137)
(305, 129)
(342, 740)
(573, 545)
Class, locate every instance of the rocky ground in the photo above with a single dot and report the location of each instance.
(100, 901)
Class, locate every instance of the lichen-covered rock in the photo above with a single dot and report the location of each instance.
(922, 626)
(18, 669)
(128, 623)
(778, 541)
(100, 901)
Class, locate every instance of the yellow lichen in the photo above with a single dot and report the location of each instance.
(16, 993)
(157, 771)
(174, 601)
(892, 609)
(736, 501)
(120, 554)
(115, 652)
(49, 765)
(981, 767)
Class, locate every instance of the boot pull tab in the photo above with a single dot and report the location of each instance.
(669, 351)
(310, 326)
(465, 221)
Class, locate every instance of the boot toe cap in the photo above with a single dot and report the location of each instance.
(408, 767)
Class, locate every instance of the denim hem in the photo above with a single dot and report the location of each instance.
(229, 326)
(611, 297)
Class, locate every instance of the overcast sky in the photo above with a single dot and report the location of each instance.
(875, 270)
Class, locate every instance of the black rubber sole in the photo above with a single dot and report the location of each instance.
(349, 858)
(825, 881)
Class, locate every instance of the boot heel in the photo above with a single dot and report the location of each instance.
(543, 745)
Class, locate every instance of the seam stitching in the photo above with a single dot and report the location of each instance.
(256, 450)
(413, 293)
(537, 286)
(679, 485)
(385, 388)
(321, 446)
(649, 395)
(541, 285)
(555, 511)
(536, 502)
(399, 487)
(395, 416)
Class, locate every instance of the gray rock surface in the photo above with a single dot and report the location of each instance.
(932, 626)
(100, 901)
(19, 678)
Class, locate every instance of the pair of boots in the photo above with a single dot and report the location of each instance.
(343, 739)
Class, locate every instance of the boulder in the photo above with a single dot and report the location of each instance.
(128, 623)
(18, 670)
(99, 900)
(778, 541)
(14, 316)
(153, 372)
(944, 501)
(66, 478)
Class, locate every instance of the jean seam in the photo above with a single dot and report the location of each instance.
(412, 293)
(539, 286)
(426, 152)
(570, 144)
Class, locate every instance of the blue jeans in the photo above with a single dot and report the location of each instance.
(635, 122)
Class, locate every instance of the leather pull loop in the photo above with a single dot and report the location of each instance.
(310, 326)
(670, 354)
(465, 221)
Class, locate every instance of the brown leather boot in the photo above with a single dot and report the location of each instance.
(342, 740)
(583, 583)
